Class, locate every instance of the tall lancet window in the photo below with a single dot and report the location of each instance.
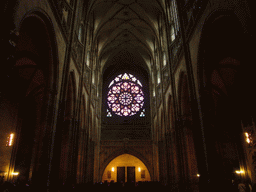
(125, 96)
(173, 19)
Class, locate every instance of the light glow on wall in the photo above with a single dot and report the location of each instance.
(239, 171)
(15, 173)
(10, 140)
(247, 137)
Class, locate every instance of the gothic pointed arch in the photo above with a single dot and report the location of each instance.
(33, 83)
(172, 149)
(171, 118)
(125, 100)
(186, 134)
(225, 78)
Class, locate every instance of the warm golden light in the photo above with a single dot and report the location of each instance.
(113, 169)
(15, 173)
(125, 161)
(198, 175)
(10, 140)
(248, 137)
(239, 172)
(139, 169)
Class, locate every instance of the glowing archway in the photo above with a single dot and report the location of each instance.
(126, 160)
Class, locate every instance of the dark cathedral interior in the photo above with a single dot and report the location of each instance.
(127, 94)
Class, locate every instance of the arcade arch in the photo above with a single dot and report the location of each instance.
(226, 94)
(188, 161)
(32, 84)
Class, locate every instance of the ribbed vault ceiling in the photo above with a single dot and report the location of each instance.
(125, 26)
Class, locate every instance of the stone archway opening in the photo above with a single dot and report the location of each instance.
(28, 99)
(126, 168)
(225, 98)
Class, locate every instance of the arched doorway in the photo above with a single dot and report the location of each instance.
(126, 168)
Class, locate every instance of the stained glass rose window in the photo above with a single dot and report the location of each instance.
(125, 96)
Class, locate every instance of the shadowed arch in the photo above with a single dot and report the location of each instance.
(183, 95)
(188, 161)
(226, 93)
(70, 96)
(170, 109)
(34, 78)
(40, 17)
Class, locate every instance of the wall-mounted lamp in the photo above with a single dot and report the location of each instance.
(248, 138)
(15, 173)
(113, 169)
(139, 169)
(239, 172)
(198, 175)
(10, 140)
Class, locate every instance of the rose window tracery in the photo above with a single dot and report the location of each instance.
(125, 96)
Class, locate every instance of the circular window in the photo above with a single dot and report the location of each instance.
(125, 95)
